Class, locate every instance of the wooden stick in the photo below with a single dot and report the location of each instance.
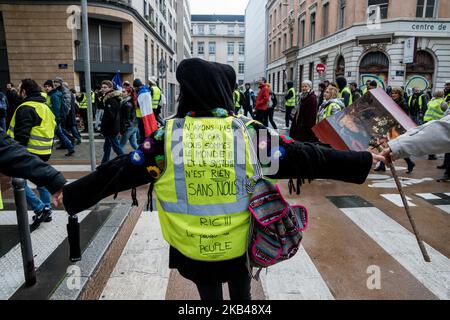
(411, 218)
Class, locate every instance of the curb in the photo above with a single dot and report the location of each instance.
(87, 278)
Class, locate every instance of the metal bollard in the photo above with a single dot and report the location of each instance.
(24, 231)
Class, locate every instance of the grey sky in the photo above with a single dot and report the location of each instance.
(218, 6)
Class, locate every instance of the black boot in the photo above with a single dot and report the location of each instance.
(410, 164)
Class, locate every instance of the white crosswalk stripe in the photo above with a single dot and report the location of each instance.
(44, 241)
(142, 271)
(402, 246)
(397, 200)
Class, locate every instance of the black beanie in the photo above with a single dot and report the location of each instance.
(137, 83)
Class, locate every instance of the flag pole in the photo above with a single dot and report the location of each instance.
(408, 213)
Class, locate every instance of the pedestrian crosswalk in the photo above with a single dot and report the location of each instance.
(44, 240)
(142, 271)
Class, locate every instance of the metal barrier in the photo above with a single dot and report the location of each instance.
(24, 231)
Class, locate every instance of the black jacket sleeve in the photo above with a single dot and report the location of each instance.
(16, 161)
(26, 119)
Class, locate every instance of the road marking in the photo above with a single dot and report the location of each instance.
(142, 271)
(445, 208)
(9, 217)
(439, 200)
(402, 246)
(295, 279)
(44, 241)
(390, 182)
(427, 196)
(397, 200)
(72, 168)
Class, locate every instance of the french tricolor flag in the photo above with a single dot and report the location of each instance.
(145, 104)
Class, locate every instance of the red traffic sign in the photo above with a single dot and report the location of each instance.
(320, 68)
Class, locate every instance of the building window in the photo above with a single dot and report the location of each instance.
(270, 52)
(426, 8)
(212, 29)
(145, 9)
(278, 81)
(212, 48)
(313, 27)
(325, 12)
(311, 72)
(230, 29)
(302, 33)
(274, 50)
(279, 46)
(241, 48)
(230, 47)
(241, 68)
(242, 30)
(201, 48)
(383, 4)
(201, 29)
(284, 41)
(341, 14)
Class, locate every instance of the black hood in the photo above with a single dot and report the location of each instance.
(204, 86)
(341, 82)
(290, 84)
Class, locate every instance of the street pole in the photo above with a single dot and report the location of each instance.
(24, 231)
(87, 80)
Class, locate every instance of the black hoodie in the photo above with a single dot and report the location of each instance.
(342, 83)
(204, 86)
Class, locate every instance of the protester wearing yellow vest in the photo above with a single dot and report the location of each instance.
(291, 101)
(345, 94)
(33, 126)
(447, 91)
(156, 98)
(237, 99)
(436, 109)
(83, 107)
(201, 166)
(417, 105)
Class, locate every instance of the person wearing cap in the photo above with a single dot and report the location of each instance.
(156, 98)
(111, 120)
(55, 96)
(417, 105)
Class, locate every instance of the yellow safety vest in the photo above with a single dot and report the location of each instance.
(434, 111)
(48, 101)
(365, 90)
(328, 111)
(202, 198)
(291, 102)
(346, 89)
(237, 98)
(41, 137)
(1, 201)
(447, 98)
(156, 97)
(84, 103)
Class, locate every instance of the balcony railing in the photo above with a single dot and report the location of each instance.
(104, 53)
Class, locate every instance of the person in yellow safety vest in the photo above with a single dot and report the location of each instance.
(48, 101)
(83, 107)
(201, 165)
(366, 88)
(33, 126)
(331, 104)
(417, 105)
(237, 99)
(290, 102)
(345, 94)
(435, 111)
(156, 98)
(447, 91)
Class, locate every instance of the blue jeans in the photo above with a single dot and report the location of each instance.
(3, 123)
(38, 204)
(75, 133)
(130, 135)
(111, 142)
(63, 138)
